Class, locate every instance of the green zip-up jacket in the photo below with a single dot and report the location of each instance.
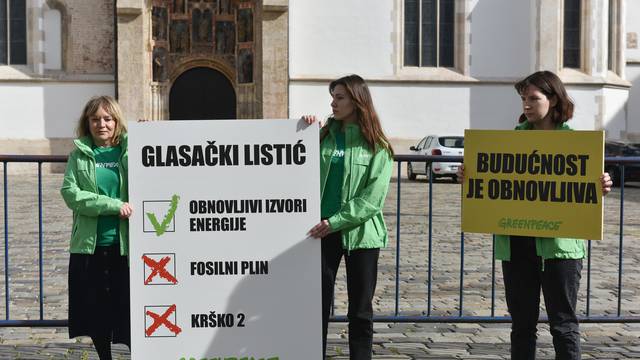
(364, 187)
(80, 193)
(546, 248)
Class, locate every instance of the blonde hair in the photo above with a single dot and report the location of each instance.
(110, 105)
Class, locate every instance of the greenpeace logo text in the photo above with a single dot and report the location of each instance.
(529, 224)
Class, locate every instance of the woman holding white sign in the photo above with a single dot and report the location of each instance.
(531, 264)
(355, 169)
(95, 188)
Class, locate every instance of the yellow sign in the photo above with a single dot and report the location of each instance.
(533, 183)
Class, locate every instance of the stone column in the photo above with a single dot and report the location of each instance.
(134, 63)
(549, 40)
(158, 101)
(274, 46)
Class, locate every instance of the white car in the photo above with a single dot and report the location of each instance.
(436, 145)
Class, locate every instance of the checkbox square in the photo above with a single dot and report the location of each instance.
(159, 269)
(159, 208)
(161, 321)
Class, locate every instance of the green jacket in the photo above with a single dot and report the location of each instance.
(365, 184)
(547, 248)
(80, 193)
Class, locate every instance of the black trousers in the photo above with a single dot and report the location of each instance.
(524, 277)
(362, 273)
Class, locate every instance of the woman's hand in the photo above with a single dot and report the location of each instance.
(460, 174)
(310, 119)
(125, 211)
(606, 182)
(321, 230)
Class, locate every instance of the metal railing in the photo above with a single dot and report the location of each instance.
(397, 317)
(621, 162)
(41, 321)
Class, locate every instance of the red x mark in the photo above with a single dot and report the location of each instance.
(163, 320)
(157, 268)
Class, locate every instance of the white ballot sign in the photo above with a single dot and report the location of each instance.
(221, 265)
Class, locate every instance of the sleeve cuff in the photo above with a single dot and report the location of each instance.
(116, 205)
(335, 223)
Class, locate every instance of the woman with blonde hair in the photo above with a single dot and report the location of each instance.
(95, 189)
(356, 159)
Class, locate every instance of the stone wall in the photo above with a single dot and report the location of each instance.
(90, 36)
(275, 60)
(134, 73)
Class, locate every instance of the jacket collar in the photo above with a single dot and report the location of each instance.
(527, 126)
(348, 127)
(85, 144)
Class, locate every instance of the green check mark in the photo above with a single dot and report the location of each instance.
(161, 227)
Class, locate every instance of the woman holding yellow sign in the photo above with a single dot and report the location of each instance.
(531, 264)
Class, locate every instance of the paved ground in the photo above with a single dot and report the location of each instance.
(392, 341)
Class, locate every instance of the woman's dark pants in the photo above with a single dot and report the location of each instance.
(559, 281)
(362, 271)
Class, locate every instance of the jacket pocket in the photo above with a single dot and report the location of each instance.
(368, 236)
(360, 170)
(74, 230)
(84, 176)
(81, 165)
(363, 158)
(84, 234)
(376, 226)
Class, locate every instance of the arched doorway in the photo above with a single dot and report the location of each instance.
(202, 93)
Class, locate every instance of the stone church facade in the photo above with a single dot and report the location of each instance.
(433, 66)
(232, 52)
(163, 59)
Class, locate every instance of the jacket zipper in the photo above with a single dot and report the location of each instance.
(95, 180)
(121, 185)
(346, 186)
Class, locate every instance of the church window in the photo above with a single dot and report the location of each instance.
(572, 40)
(429, 33)
(13, 32)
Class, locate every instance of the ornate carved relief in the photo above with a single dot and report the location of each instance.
(179, 6)
(245, 66)
(160, 23)
(159, 64)
(245, 23)
(225, 37)
(215, 31)
(201, 25)
(179, 37)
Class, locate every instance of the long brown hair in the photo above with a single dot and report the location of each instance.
(550, 85)
(366, 114)
(110, 105)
